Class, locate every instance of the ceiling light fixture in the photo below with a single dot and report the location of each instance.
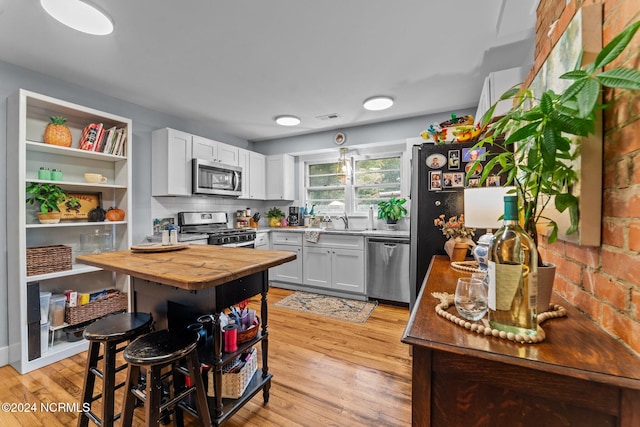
(378, 103)
(79, 15)
(287, 120)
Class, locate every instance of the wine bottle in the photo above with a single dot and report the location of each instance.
(512, 274)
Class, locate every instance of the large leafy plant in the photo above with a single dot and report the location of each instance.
(392, 210)
(539, 137)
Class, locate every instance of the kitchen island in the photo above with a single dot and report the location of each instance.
(579, 375)
(177, 287)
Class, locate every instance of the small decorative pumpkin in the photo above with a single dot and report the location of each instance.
(96, 215)
(115, 214)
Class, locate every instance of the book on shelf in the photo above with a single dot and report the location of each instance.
(89, 136)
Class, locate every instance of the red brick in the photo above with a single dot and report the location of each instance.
(623, 141)
(622, 327)
(621, 265)
(622, 172)
(634, 236)
(609, 180)
(612, 233)
(623, 203)
(635, 303)
(606, 289)
(569, 269)
(583, 254)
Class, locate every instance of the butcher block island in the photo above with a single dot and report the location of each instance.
(179, 286)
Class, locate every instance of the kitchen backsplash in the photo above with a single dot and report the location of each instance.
(168, 207)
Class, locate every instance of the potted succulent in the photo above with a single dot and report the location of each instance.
(275, 215)
(535, 141)
(48, 196)
(391, 211)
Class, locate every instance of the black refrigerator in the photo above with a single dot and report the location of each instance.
(438, 180)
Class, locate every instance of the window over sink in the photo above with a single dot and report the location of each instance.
(352, 184)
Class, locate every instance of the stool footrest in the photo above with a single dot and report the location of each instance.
(143, 397)
(97, 372)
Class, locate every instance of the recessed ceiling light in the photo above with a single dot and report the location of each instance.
(287, 120)
(378, 103)
(79, 15)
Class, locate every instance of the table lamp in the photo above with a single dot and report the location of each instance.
(483, 207)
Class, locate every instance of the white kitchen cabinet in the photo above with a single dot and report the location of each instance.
(257, 184)
(495, 84)
(290, 272)
(253, 174)
(214, 151)
(280, 177)
(27, 115)
(171, 163)
(335, 262)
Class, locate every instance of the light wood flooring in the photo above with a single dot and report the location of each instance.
(326, 373)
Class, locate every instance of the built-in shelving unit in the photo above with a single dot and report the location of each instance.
(27, 116)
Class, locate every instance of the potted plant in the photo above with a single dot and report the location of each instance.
(48, 196)
(391, 211)
(458, 236)
(540, 135)
(275, 215)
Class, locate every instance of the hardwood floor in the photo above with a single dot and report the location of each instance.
(326, 373)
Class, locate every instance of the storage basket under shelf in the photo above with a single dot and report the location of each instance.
(48, 259)
(234, 384)
(115, 301)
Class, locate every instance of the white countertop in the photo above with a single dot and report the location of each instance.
(353, 232)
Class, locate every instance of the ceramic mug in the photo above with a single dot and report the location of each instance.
(95, 178)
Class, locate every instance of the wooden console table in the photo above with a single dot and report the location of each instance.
(578, 376)
(177, 287)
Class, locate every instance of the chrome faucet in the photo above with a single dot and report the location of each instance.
(345, 219)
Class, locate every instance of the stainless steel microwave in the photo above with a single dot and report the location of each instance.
(214, 178)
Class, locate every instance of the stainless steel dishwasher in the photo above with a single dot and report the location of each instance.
(388, 269)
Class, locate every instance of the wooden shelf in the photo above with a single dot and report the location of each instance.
(41, 147)
(75, 269)
(64, 224)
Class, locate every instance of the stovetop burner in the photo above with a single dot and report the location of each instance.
(215, 224)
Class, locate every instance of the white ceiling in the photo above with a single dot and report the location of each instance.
(235, 65)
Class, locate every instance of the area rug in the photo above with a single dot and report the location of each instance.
(345, 309)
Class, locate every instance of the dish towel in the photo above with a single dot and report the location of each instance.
(312, 236)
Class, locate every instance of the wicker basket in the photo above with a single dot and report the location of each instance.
(249, 334)
(115, 301)
(48, 259)
(234, 384)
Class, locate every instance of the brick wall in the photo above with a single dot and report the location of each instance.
(604, 282)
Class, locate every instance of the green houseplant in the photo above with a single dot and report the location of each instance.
(539, 136)
(391, 210)
(48, 197)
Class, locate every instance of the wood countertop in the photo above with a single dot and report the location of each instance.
(193, 268)
(574, 345)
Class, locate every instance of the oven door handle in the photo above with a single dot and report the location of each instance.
(251, 243)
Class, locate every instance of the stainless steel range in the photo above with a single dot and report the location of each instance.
(216, 225)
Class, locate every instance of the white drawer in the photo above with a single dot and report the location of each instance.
(280, 238)
(262, 239)
(338, 241)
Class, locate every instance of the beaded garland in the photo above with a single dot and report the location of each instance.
(471, 266)
(446, 300)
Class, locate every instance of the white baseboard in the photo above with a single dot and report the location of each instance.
(4, 356)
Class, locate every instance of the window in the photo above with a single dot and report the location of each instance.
(336, 187)
(376, 180)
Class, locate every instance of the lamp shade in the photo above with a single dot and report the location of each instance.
(483, 206)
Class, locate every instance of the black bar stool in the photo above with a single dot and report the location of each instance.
(154, 352)
(109, 331)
